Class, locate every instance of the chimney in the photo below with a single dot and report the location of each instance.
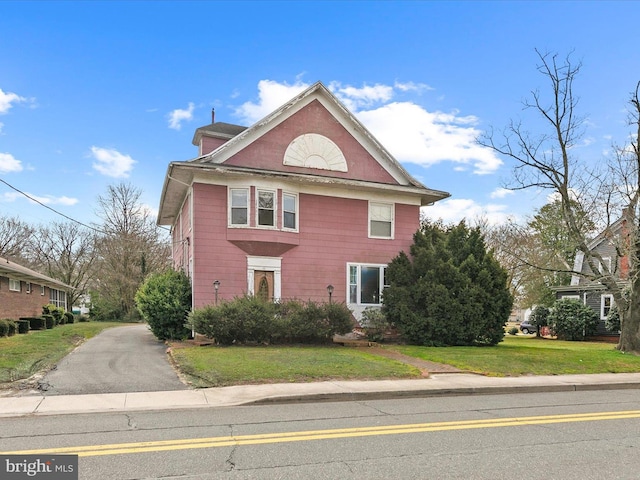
(213, 115)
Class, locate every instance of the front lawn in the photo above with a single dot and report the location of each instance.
(211, 366)
(23, 355)
(519, 355)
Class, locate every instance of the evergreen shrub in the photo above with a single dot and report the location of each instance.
(570, 319)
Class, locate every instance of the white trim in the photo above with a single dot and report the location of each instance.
(230, 223)
(268, 264)
(275, 208)
(12, 285)
(296, 212)
(602, 305)
(392, 209)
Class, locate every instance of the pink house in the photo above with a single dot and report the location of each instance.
(303, 199)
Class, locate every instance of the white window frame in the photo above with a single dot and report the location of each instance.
(295, 212)
(358, 285)
(607, 263)
(392, 209)
(274, 193)
(28, 287)
(42, 291)
(14, 285)
(231, 207)
(603, 298)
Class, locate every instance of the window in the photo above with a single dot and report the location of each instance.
(381, 220)
(239, 214)
(289, 209)
(58, 297)
(366, 284)
(28, 285)
(606, 262)
(14, 285)
(266, 208)
(606, 302)
(42, 290)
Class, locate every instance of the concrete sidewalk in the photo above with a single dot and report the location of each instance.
(436, 385)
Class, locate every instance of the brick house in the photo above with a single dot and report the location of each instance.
(304, 199)
(23, 292)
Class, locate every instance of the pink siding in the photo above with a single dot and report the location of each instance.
(208, 144)
(267, 152)
(181, 238)
(332, 232)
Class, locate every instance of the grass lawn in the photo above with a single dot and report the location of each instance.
(23, 355)
(519, 355)
(219, 366)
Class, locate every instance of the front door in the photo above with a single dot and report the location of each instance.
(263, 285)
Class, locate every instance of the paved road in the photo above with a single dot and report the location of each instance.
(565, 435)
(118, 360)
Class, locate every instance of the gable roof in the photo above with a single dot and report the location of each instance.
(180, 174)
(18, 272)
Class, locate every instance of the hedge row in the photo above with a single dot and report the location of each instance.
(51, 317)
(251, 320)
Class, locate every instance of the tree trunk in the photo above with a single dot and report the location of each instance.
(630, 322)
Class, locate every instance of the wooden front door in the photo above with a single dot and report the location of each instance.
(263, 285)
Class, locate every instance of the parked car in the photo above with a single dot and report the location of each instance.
(526, 327)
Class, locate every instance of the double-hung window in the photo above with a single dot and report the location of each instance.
(366, 284)
(289, 211)
(606, 302)
(266, 206)
(380, 220)
(239, 213)
(14, 285)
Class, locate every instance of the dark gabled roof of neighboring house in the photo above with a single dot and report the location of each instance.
(18, 272)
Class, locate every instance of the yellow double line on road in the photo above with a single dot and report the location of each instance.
(303, 436)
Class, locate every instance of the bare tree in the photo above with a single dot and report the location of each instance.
(15, 236)
(66, 252)
(545, 161)
(131, 247)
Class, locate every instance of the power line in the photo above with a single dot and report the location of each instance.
(56, 211)
(52, 209)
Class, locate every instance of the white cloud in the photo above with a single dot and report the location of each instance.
(366, 96)
(501, 193)
(413, 134)
(271, 96)
(112, 163)
(409, 131)
(458, 209)
(177, 116)
(46, 200)
(7, 99)
(411, 86)
(9, 164)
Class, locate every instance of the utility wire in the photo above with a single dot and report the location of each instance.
(57, 212)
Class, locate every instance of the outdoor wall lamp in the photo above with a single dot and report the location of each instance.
(330, 291)
(216, 286)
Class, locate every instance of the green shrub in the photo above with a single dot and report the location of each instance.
(4, 327)
(374, 323)
(35, 323)
(449, 290)
(164, 301)
(513, 331)
(49, 321)
(56, 312)
(13, 327)
(569, 319)
(539, 317)
(23, 326)
(83, 318)
(69, 317)
(612, 322)
(249, 319)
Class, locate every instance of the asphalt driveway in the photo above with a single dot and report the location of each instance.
(118, 360)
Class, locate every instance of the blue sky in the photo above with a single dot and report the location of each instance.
(95, 93)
